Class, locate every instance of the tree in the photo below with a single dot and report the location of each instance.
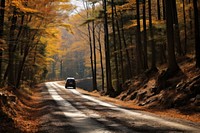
(94, 51)
(158, 10)
(107, 50)
(145, 35)
(129, 67)
(176, 29)
(139, 59)
(185, 29)
(153, 49)
(114, 43)
(26, 24)
(11, 46)
(164, 10)
(101, 58)
(2, 8)
(197, 33)
(121, 52)
(172, 64)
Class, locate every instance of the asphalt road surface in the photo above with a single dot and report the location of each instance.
(69, 111)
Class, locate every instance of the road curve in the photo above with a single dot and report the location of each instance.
(73, 112)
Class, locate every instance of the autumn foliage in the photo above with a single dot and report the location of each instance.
(30, 37)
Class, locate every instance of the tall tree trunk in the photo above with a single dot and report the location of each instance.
(27, 49)
(197, 33)
(190, 18)
(162, 49)
(185, 28)
(107, 50)
(53, 70)
(21, 67)
(91, 53)
(17, 49)
(10, 68)
(176, 29)
(61, 69)
(1, 57)
(138, 41)
(91, 50)
(129, 70)
(172, 64)
(115, 44)
(153, 49)
(121, 52)
(164, 10)
(145, 36)
(161, 46)
(2, 9)
(158, 10)
(101, 59)
(94, 52)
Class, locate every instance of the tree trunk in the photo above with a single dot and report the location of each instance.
(129, 68)
(139, 60)
(1, 56)
(153, 49)
(162, 54)
(17, 49)
(115, 45)
(2, 9)
(173, 67)
(61, 69)
(176, 29)
(22, 66)
(145, 36)
(53, 70)
(107, 50)
(172, 64)
(101, 59)
(91, 50)
(164, 10)
(10, 68)
(190, 17)
(158, 9)
(94, 52)
(91, 54)
(185, 29)
(197, 37)
(121, 52)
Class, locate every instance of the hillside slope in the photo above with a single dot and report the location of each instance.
(178, 96)
(181, 91)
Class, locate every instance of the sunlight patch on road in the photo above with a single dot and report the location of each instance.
(63, 102)
(81, 122)
(140, 115)
(93, 115)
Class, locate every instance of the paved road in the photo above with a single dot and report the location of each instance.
(69, 111)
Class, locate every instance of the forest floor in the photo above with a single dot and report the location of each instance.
(20, 111)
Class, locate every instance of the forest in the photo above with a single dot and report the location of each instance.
(114, 42)
(144, 53)
(29, 38)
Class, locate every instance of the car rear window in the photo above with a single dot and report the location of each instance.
(70, 80)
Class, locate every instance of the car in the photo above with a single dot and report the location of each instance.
(70, 82)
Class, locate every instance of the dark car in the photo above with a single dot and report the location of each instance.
(70, 82)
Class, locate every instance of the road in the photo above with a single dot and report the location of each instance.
(69, 111)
